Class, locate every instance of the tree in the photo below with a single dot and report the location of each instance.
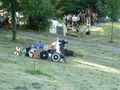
(36, 10)
(56, 10)
(110, 8)
(11, 6)
(38, 13)
(61, 7)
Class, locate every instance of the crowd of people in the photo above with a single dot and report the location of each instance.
(87, 18)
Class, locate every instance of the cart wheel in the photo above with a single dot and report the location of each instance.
(44, 55)
(56, 57)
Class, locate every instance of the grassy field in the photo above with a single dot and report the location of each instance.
(100, 33)
(93, 69)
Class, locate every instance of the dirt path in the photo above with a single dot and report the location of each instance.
(72, 42)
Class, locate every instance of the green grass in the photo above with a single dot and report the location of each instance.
(37, 72)
(94, 69)
(100, 33)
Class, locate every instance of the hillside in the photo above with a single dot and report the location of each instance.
(95, 68)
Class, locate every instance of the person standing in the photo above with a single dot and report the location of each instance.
(74, 21)
(69, 21)
(88, 22)
(65, 19)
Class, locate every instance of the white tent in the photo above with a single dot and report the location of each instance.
(55, 24)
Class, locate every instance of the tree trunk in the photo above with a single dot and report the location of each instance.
(13, 24)
(112, 33)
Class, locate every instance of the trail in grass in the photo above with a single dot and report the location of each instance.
(74, 42)
(71, 41)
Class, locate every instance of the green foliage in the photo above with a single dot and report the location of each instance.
(113, 10)
(54, 6)
(61, 7)
(11, 6)
(38, 12)
(110, 8)
(35, 7)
